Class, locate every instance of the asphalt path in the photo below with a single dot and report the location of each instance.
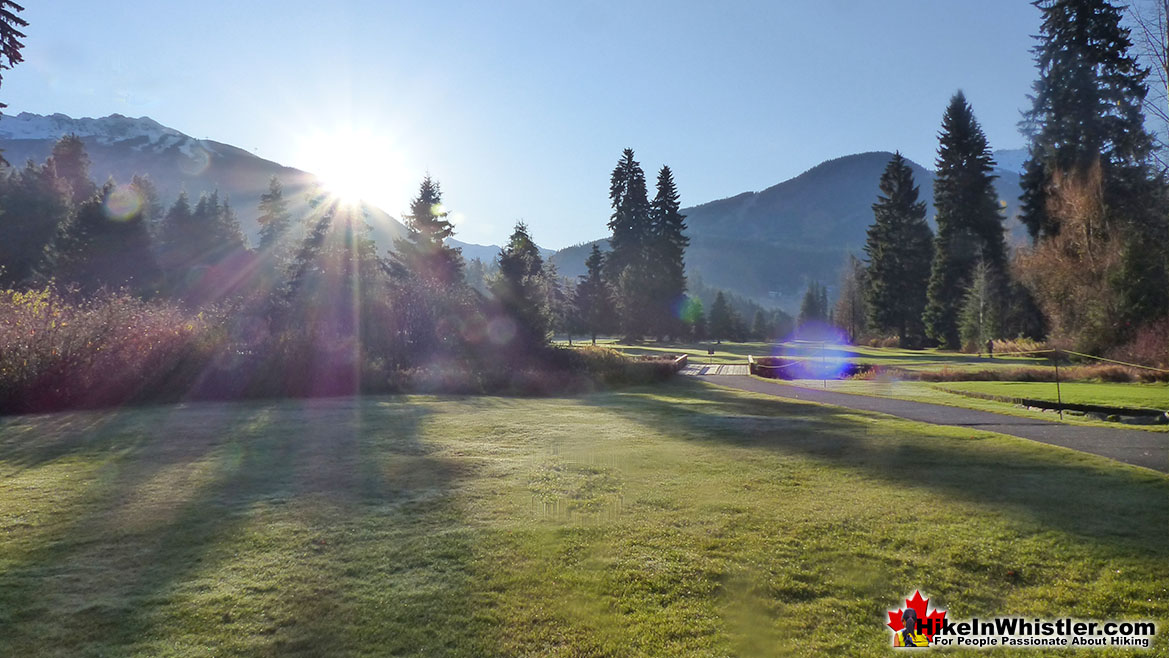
(1131, 446)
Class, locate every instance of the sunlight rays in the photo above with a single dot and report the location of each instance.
(358, 163)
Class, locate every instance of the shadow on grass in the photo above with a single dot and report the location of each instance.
(1121, 507)
(239, 527)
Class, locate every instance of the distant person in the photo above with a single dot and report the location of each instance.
(909, 636)
(990, 348)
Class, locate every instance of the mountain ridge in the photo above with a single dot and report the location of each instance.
(764, 245)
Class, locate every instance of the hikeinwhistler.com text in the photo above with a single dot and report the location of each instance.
(1020, 632)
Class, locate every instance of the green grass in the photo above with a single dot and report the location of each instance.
(1148, 396)
(937, 394)
(675, 520)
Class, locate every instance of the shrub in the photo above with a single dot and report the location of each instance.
(110, 349)
(1149, 347)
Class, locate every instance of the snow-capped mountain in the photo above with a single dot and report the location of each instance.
(143, 131)
(120, 147)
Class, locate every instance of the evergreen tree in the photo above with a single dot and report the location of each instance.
(970, 226)
(176, 235)
(71, 163)
(227, 232)
(592, 300)
(95, 250)
(558, 294)
(147, 193)
(627, 263)
(981, 315)
(722, 319)
(1086, 110)
(520, 288)
(274, 217)
(668, 253)
(695, 318)
(35, 204)
(10, 36)
(423, 251)
(899, 252)
(760, 327)
(813, 309)
(476, 275)
(1087, 120)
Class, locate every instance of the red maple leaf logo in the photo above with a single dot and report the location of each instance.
(919, 605)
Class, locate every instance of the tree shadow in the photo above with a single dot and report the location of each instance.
(180, 492)
(1123, 508)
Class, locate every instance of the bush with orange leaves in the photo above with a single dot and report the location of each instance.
(57, 352)
(1070, 274)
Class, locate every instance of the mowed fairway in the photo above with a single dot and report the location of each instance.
(681, 519)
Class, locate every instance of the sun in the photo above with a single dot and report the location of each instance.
(357, 165)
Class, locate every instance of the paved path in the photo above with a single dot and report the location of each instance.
(1148, 449)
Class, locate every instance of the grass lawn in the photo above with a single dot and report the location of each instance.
(681, 519)
(1149, 396)
(937, 394)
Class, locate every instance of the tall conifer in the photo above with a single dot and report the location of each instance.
(628, 264)
(668, 253)
(899, 252)
(970, 226)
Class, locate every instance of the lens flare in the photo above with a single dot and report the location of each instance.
(123, 203)
(501, 330)
(196, 162)
(820, 350)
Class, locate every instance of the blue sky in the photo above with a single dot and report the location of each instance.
(521, 109)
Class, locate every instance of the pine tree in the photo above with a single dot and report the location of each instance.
(667, 253)
(1086, 121)
(722, 321)
(423, 251)
(176, 233)
(274, 217)
(520, 288)
(95, 250)
(10, 36)
(899, 252)
(694, 318)
(71, 163)
(760, 327)
(592, 300)
(147, 193)
(627, 264)
(980, 319)
(1086, 109)
(813, 309)
(35, 204)
(970, 226)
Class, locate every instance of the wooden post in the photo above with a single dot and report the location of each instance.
(1058, 397)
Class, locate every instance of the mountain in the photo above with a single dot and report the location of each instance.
(1011, 159)
(769, 245)
(121, 147)
(765, 245)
